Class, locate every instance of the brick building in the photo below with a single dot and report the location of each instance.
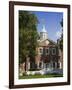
(49, 56)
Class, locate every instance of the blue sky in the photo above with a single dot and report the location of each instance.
(52, 23)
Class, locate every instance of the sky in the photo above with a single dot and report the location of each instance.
(51, 20)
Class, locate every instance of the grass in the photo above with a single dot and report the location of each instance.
(40, 76)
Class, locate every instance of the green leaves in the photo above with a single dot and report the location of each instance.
(27, 35)
(61, 39)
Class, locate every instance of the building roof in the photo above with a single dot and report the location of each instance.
(46, 42)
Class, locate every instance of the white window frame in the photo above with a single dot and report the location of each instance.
(53, 52)
(40, 49)
(46, 51)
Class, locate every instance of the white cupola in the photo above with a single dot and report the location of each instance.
(43, 34)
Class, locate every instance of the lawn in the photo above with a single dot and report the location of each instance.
(40, 76)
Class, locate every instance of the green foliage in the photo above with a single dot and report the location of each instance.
(61, 23)
(27, 35)
(40, 76)
(27, 19)
(61, 38)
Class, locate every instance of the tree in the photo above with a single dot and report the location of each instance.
(27, 35)
(61, 39)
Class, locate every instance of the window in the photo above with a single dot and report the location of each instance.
(53, 64)
(44, 35)
(41, 51)
(47, 51)
(58, 65)
(53, 51)
(40, 64)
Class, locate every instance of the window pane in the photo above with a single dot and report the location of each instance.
(53, 50)
(47, 50)
(53, 64)
(41, 51)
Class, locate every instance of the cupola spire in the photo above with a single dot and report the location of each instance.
(43, 33)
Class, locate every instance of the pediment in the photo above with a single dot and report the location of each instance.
(46, 42)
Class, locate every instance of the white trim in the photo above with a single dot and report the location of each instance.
(60, 65)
